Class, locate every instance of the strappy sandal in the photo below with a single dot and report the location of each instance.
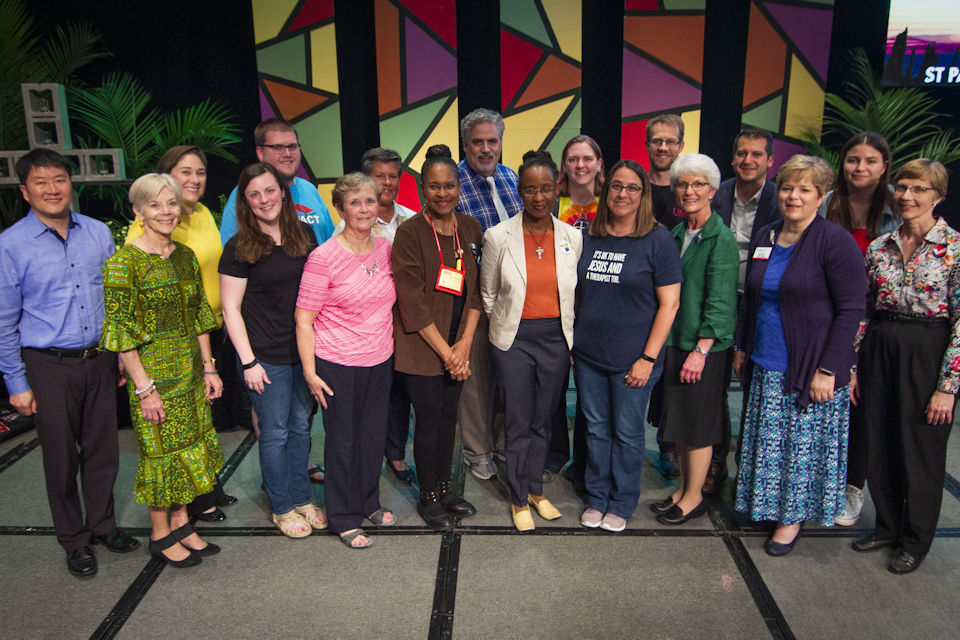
(287, 521)
(377, 517)
(348, 538)
(313, 515)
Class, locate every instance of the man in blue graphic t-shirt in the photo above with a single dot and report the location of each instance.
(277, 144)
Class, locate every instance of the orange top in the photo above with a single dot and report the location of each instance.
(543, 296)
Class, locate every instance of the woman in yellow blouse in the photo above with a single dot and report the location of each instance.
(198, 230)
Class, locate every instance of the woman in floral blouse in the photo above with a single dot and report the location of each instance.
(910, 356)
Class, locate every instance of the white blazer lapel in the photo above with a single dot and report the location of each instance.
(515, 246)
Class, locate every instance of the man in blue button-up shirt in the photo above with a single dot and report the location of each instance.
(51, 314)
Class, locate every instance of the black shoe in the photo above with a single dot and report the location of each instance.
(669, 463)
(117, 540)
(777, 549)
(187, 530)
(435, 516)
(904, 562)
(214, 516)
(157, 548)
(81, 562)
(674, 514)
(457, 506)
(871, 542)
(663, 506)
(225, 500)
(403, 476)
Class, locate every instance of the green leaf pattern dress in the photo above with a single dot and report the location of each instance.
(158, 307)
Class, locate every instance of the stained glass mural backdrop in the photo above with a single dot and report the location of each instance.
(540, 63)
(788, 50)
(297, 68)
(662, 70)
(417, 82)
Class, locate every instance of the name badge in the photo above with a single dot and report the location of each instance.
(450, 281)
(762, 253)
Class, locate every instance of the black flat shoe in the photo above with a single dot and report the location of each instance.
(214, 516)
(186, 531)
(157, 547)
(435, 516)
(457, 506)
(778, 549)
(81, 562)
(663, 506)
(117, 540)
(871, 542)
(226, 500)
(904, 562)
(674, 515)
(403, 476)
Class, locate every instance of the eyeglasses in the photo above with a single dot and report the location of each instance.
(697, 186)
(632, 189)
(659, 142)
(916, 189)
(436, 186)
(280, 148)
(530, 192)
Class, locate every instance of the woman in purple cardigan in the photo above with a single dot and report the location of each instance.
(803, 298)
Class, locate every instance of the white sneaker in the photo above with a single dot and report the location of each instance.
(482, 469)
(851, 514)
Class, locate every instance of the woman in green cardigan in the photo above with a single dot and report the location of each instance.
(692, 379)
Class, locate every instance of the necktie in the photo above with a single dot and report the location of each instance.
(501, 210)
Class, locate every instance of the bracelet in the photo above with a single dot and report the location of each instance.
(250, 365)
(211, 373)
(140, 392)
(853, 370)
(644, 356)
(736, 348)
(825, 372)
(211, 360)
(146, 394)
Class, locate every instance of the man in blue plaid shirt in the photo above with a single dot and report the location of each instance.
(488, 192)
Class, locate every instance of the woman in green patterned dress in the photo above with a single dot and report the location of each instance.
(158, 319)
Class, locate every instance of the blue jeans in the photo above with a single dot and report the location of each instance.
(615, 416)
(284, 412)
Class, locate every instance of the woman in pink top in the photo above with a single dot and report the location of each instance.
(345, 336)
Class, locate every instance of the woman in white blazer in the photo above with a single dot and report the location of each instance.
(528, 277)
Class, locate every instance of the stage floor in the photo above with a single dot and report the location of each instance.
(709, 578)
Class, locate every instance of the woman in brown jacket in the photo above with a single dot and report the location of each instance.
(438, 306)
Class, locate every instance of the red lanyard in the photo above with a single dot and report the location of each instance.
(459, 251)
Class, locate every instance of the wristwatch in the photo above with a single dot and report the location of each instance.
(700, 351)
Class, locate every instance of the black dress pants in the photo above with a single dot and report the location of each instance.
(76, 423)
(906, 457)
(435, 401)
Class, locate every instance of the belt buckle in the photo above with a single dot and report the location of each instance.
(90, 352)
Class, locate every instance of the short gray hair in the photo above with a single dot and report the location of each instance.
(695, 164)
(479, 116)
(350, 182)
(147, 186)
(379, 154)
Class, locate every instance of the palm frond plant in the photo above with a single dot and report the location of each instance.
(905, 116)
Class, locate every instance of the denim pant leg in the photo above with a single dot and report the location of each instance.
(595, 401)
(629, 407)
(298, 438)
(273, 409)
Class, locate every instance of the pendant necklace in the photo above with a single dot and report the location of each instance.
(370, 271)
(538, 241)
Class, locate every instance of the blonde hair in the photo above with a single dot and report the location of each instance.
(147, 186)
(353, 182)
(925, 169)
(811, 167)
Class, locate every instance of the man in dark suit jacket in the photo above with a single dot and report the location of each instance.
(745, 203)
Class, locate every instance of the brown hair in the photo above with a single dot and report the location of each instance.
(252, 243)
(268, 125)
(671, 119)
(925, 169)
(838, 209)
(172, 156)
(645, 220)
(564, 181)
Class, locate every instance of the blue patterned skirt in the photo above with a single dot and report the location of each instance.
(794, 462)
